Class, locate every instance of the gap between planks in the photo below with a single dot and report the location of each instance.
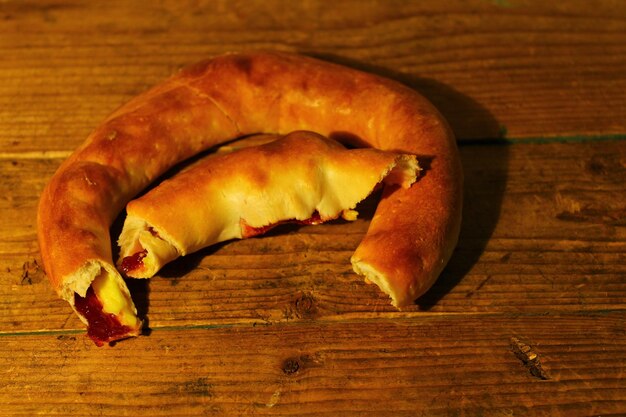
(348, 318)
(36, 155)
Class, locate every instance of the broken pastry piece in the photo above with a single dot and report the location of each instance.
(301, 178)
(75, 211)
(107, 309)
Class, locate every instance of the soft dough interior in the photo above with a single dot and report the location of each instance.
(138, 237)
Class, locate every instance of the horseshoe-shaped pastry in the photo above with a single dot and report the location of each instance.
(410, 238)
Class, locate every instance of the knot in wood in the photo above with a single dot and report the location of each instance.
(291, 366)
(305, 306)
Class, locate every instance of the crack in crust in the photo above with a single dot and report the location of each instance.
(200, 93)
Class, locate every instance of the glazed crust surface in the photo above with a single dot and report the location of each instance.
(301, 177)
(412, 234)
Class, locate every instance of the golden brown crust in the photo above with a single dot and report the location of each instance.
(225, 196)
(410, 238)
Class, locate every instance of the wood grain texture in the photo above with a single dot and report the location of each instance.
(529, 318)
(494, 68)
(543, 232)
(422, 366)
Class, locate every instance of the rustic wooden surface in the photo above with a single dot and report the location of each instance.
(529, 318)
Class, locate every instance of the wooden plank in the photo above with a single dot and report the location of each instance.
(444, 366)
(543, 232)
(514, 68)
(528, 319)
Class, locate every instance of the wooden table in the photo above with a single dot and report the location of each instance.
(529, 317)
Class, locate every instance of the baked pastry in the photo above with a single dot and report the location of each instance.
(301, 177)
(411, 236)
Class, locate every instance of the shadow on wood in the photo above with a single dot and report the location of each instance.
(485, 169)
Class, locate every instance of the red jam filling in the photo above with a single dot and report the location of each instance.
(249, 231)
(103, 327)
(132, 262)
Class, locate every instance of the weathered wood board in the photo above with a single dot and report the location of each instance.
(529, 317)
